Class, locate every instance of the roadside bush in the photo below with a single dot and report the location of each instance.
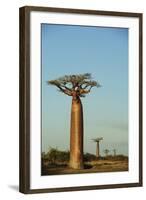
(89, 157)
(54, 155)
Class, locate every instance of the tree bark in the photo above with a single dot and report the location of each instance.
(76, 135)
(97, 150)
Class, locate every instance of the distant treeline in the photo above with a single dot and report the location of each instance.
(56, 156)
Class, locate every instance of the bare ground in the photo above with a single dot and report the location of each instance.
(89, 167)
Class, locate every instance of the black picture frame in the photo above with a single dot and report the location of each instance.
(24, 142)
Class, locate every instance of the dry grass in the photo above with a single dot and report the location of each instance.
(89, 167)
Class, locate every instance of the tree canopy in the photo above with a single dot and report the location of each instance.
(97, 139)
(106, 151)
(78, 85)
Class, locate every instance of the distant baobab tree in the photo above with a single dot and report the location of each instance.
(76, 86)
(106, 151)
(97, 140)
(114, 152)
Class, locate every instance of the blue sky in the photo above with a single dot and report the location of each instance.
(103, 52)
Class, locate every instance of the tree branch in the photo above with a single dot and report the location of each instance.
(67, 88)
(66, 91)
(79, 85)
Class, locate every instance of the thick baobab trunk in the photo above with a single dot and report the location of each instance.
(76, 135)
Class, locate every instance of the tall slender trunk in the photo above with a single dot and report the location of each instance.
(76, 135)
(97, 150)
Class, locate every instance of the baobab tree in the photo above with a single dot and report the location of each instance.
(97, 140)
(106, 151)
(76, 86)
(114, 152)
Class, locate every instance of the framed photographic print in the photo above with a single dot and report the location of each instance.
(80, 99)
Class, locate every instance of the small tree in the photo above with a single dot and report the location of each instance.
(114, 152)
(106, 151)
(52, 155)
(76, 86)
